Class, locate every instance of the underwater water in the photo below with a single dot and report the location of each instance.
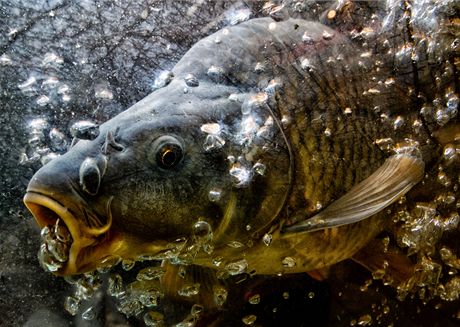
(67, 67)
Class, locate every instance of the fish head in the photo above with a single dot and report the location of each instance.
(161, 171)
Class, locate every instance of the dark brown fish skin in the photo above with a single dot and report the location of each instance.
(327, 117)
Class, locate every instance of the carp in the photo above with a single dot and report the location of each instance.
(262, 153)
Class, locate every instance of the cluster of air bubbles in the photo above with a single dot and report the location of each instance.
(214, 136)
(38, 149)
(163, 79)
(85, 288)
(448, 111)
(236, 267)
(421, 230)
(55, 246)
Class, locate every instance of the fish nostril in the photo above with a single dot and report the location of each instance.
(111, 144)
(90, 176)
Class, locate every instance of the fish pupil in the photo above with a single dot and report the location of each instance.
(169, 156)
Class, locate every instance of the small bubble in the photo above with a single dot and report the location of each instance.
(237, 267)
(306, 38)
(89, 314)
(267, 239)
(331, 14)
(365, 320)
(51, 58)
(242, 175)
(5, 60)
(72, 305)
(311, 295)
(84, 130)
(220, 295)
(150, 273)
(189, 290)
(259, 68)
(328, 35)
(306, 64)
(215, 194)
(202, 230)
(254, 299)
(289, 262)
(191, 80)
(154, 319)
(235, 244)
(398, 122)
(128, 264)
(196, 310)
(43, 100)
(217, 74)
(272, 26)
(259, 168)
(286, 295)
(249, 319)
(101, 91)
(163, 79)
(115, 285)
(238, 16)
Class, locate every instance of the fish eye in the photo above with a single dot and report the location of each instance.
(168, 152)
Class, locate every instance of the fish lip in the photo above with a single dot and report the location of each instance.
(46, 210)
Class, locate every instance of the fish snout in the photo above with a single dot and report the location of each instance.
(70, 228)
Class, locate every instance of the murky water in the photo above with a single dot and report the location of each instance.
(66, 68)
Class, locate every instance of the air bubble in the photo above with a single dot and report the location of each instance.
(220, 295)
(259, 68)
(202, 230)
(365, 320)
(242, 175)
(128, 264)
(189, 290)
(215, 194)
(235, 17)
(43, 100)
(72, 305)
(259, 168)
(163, 79)
(150, 273)
(191, 80)
(398, 122)
(89, 314)
(249, 320)
(306, 38)
(328, 35)
(196, 310)
(213, 142)
(237, 267)
(306, 64)
(216, 73)
(154, 319)
(115, 285)
(235, 244)
(267, 239)
(101, 91)
(255, 299)
(84, 130)
(289, 262)
(58, 140)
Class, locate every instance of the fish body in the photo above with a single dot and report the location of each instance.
(261, 154)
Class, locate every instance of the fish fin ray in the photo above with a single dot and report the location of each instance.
(387, 184)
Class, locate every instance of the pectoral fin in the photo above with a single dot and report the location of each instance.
(393, 179)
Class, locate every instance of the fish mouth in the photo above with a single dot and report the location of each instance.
(68, 245)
